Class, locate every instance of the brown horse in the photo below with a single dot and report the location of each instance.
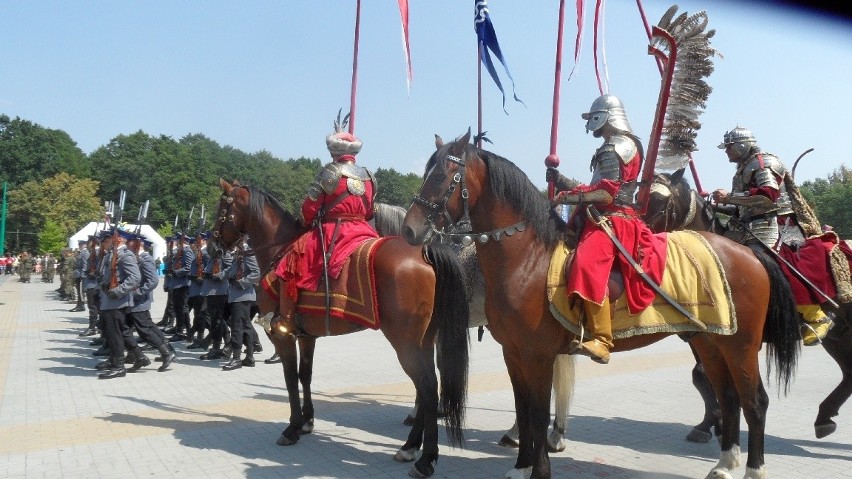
(516, 233)
(419, 292)
(675, 206)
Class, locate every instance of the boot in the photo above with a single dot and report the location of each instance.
(104, 365)
(215, 353)
(97, 342)
(139, 359)
(815, 324)
(167, 353)
(286, 313)
(88, 332)
(116, 370)
(248, 361)
(77, 308)
(599, 322)
(233, 364)
(275, 358)
(258, 348)
(102, 351)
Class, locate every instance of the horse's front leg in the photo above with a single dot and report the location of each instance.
(837, 346)
(424, 432)
(286, 348)
(306, 373)
(531, 386)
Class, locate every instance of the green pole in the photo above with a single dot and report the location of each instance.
(3, 222)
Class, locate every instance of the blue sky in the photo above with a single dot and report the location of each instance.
(272, 75)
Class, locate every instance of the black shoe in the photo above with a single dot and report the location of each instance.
(177, 337)
(232, 364)
(103, 351)
(88, 332)
(113, 373)
(170, 331)
(274, 359)
(212, 354)
(196, 345)
(77, 309)
(129, 359)
(140, 363)
(97, 342)
(248, 362)
(258, 348)
(167, 357)
(104, 365)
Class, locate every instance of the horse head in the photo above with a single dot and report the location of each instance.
(668, 203)
(229, 228)
(444, 199)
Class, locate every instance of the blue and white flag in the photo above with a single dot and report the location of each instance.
(488, 42)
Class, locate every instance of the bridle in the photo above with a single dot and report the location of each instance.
(227, 216)
(459, 232)
(671, 221)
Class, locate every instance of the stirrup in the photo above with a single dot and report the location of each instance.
(812, 329)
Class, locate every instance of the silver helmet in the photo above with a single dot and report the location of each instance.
(740, 140)
(607, 109)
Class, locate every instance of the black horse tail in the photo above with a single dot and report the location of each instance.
(451, 314)
(781, 331)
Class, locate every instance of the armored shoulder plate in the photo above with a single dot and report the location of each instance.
(624, 146)
(606, 164)
(753, 173)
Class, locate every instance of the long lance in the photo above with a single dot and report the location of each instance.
(552, 160)
(355, 67)
(603, 223)
(780, 258)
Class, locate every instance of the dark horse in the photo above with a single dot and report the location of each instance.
(674, 206)
(521, 232)
(420, 293)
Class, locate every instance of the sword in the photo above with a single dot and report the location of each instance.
(778, 257)
(325, 259)
(605, 226)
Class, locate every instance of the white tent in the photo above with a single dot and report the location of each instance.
(159, 244)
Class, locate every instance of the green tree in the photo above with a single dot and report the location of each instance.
(52, 238)
(395, 188)
(831, 198)
(31, 152)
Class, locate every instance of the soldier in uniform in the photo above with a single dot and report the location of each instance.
(25, 267)
(120, 267)
(615, 166)
(344, 193)
(139, 315)
(89, 284)
(197, 302)
(760, 203)
(79, 267)
(49, 268)
(214, 288)
(67, 273)
(243, 275)
(179, 287)
(168, 320)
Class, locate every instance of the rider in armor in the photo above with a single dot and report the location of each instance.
(760, 203)
(615, 166)
(336, 210)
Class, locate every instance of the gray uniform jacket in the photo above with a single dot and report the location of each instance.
(194, 282)
(143, 296)
(129, 277)
(216, 284)
(80, 264)
(180, 276)
(243, 289)
(90, 280)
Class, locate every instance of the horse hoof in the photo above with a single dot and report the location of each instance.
(286, 441)
(697, 435)
(507, 441)
(405, 455)
(823, 430)
(554, 448)
(409, 420)
(416, 471)
(308, 427)
(719, 474)
(525, 473)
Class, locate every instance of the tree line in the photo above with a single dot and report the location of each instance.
(55, 188)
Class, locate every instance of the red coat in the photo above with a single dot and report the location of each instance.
(302, 265)
(596, 254)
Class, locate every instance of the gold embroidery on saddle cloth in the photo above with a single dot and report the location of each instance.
(693, 276)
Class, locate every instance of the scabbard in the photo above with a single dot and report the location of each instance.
(603, 223)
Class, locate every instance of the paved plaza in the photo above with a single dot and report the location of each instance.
(629, 418)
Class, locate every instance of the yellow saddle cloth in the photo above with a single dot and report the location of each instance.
(693, 276)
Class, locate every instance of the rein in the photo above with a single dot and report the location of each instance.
(460, 232)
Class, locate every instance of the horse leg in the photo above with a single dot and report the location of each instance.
(755, 403)
(306, 373)
(532, 403)
(420, 367)
(839, 347)
(286, 348)
(702, 432)
(563, 389)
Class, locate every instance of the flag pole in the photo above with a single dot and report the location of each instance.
(355, 68)
(552, 160)
(478, 93)
(3, 222)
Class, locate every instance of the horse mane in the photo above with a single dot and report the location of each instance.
(258, 198)
(389, 219)
(510, 184)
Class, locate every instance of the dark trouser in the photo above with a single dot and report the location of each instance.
(93, 302)
(116, 333)
(148, 332)
(241, 325)
(78, 285)
(200, 321)
(169, 312)
(179, 297)
(216, 313)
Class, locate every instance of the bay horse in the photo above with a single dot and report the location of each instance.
(674, 205)
(516, 233)
(420, 302)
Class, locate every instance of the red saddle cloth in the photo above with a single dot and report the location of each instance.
(352, 294)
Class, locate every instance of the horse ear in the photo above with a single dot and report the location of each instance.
(439, 142)
(237, 183)
(226, 187)
(677, 176)
(464, 140)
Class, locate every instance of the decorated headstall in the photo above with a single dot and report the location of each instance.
(460, 231)
(224, 216)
